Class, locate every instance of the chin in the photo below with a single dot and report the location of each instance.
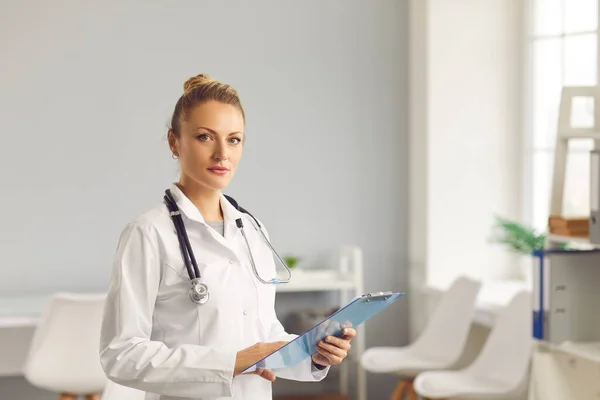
(213, 182)
(217, 184)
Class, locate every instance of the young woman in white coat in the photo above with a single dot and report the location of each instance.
(154, 337)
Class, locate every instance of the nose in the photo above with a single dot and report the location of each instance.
(221, 151)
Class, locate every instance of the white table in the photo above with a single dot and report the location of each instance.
(19, 315)
(565, 371)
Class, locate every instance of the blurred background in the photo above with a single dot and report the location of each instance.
(392, 145)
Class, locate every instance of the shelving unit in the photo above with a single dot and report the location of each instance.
(347, 280)
(564, 276)
(566, 295)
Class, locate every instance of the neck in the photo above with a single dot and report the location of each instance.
(208, 202)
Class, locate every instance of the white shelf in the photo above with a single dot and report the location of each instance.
(316, 281)
(21, 310)
(585, 350)
(575, 243)
(569, 239)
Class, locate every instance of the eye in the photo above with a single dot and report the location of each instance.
(235, 140)
(203, 137)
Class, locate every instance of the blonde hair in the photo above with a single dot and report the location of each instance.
(200, 89)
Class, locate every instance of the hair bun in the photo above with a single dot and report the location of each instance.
(197, 81)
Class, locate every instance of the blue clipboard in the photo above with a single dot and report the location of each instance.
(350, 316)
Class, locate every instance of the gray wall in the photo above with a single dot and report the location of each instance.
(84, 106)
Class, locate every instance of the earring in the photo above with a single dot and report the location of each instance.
(174, 156)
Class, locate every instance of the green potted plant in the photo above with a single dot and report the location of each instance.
(291, 261)
(517, 237)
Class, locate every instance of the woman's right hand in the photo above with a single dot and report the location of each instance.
(254, 353)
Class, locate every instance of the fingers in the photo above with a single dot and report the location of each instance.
(337, 351)
(331, 358)
(349, 333)
(265, 374)
(338, 342)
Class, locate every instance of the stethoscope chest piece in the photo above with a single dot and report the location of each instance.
(199, 291)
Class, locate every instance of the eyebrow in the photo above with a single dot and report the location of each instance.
(214, 132)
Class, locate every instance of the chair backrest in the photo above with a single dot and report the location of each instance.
(506, 353)
(447, 329)
(65, 347)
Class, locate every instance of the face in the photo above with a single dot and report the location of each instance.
(209, 145)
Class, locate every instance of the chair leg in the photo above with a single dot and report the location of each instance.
(66, 396)
(411, 394)
(398, 393)
(94, 396)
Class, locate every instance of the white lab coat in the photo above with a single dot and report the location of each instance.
(154, 338)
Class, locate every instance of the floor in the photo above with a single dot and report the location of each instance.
(19, 389)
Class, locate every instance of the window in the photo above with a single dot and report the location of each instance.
(562, 48)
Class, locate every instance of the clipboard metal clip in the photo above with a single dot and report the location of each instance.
(377, 296)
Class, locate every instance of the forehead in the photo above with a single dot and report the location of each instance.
(217, 116)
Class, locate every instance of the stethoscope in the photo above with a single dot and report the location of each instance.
(199, 292)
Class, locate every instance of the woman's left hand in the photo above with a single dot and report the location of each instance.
(332, 350)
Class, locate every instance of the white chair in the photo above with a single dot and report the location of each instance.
(64, 353)
(114, 391)
(439, 346)
(501, 369)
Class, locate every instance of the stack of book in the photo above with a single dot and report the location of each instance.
(573, 227)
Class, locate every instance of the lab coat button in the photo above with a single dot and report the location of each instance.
(230, 261)
(245, 312)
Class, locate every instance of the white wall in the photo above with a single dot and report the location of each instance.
(87, 89)
(465, 140)
(474, 143)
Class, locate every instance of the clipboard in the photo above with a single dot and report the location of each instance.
(350, 316)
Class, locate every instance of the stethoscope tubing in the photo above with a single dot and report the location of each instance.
(184, 242)
(188, 254)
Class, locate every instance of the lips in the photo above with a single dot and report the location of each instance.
(218, 170)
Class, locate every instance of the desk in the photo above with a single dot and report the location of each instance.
(19, 316)
(565, 371)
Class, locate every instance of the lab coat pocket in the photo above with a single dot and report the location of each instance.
(198, 323)
(266, 306)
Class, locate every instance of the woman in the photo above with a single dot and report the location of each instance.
(154, 337)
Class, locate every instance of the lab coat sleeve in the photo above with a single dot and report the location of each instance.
(128, 356)
(303, 371)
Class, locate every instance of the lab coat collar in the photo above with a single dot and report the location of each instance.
(230, 213)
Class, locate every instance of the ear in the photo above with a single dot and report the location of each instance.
(173, 142)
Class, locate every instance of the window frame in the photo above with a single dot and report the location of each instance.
(531, 150)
